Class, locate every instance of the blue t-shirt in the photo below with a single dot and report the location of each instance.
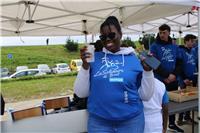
(165, 98)
(167, 54)
(114, 84)
(189, 63)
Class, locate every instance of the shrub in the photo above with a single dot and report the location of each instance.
(71, 46)
(147, 40)
(127, 42)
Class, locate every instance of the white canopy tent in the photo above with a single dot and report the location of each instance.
(77, 17)
(177, 23)
(80, 17)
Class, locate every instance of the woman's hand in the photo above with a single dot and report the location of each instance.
(84, 55)
(144, 65)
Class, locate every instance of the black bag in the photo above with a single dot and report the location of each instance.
(79, 103)
(2, 105)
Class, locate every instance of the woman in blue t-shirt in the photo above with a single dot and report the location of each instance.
(115, 84)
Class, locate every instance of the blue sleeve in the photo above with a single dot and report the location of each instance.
(195, 53)
(181, 82)
(165, 98)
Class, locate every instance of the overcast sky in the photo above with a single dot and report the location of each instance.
(26, 41)
(31, 41)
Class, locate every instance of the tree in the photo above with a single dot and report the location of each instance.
(71, 45)
(127, 42)
(147, 40)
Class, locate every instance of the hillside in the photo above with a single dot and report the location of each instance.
(31, 56)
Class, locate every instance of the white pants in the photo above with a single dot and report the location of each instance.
(153, 123)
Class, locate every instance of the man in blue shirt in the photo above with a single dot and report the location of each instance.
(189, 68)
(170, 66)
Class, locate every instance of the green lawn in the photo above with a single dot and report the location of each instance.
(31, 56)
(15, 91)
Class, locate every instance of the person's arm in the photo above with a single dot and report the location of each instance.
(178, 65)
(146, 89)
(82, 83)
(181, 82)
(160, 70)
(177, 71)
(165, 101)
(179, 61)
(165, 117)
(178, 68)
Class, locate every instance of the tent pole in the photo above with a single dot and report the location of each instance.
(199, 62)
(92, 37)
(180, 32)
(85, 38)
(84, 28)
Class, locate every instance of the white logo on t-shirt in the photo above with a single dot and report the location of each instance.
(167, 54)
(110, 68)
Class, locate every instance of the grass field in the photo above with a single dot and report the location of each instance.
(31, 56)
(15, 91)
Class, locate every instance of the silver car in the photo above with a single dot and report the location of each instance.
(26, 72)
(4, 72)
(44, 68)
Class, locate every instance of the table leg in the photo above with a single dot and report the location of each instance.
(193, 121)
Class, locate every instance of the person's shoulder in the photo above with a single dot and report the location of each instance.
(160, 85)
(195, 49)
(99, 53)
(154, 44)
(160, 88)
(181, 46)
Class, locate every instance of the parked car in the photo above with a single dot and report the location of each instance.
(75, 65)
(19, 68)
(26, 72)
(61, 68)
(44, 68)
(4, 72)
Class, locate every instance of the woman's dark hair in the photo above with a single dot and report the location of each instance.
(111, 20)
(98, 46)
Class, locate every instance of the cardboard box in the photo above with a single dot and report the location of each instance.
(190, 93)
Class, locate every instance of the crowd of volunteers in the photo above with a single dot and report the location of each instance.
(124, 94)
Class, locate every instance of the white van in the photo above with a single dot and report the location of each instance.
(44, 68)
(19, 68)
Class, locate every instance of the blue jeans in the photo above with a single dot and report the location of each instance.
(100, 125)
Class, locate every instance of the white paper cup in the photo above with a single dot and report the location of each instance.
(90, 49)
